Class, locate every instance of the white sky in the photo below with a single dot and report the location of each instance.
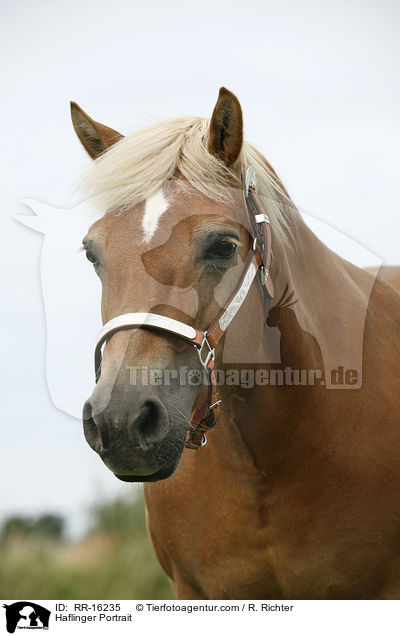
(319, 87)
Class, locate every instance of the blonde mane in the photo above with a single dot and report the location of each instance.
(140, 164)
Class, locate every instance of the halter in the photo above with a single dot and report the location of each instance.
(205, 342)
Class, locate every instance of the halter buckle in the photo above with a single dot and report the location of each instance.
(262, 218)
(205, 352)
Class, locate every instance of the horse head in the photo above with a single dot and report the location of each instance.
(173, 242)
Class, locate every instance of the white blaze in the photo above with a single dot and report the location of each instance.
(154, 208)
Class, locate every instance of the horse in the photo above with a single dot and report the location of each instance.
(209, 271)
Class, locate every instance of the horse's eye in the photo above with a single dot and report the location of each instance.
(224, 249)
(91, 257)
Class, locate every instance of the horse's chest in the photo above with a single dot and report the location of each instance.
(223, 543)
(217, 543)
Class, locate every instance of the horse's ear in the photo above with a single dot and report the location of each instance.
(95, 138)
(226, 128)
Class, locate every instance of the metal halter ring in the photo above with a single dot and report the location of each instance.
(209, 354)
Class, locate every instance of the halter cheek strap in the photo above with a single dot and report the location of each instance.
(205, 342)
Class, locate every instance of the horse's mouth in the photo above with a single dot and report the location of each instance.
(163, 473)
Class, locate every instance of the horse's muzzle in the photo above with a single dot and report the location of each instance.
(133, 441)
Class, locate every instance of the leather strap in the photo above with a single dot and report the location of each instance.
(261, 228)
(205, 416)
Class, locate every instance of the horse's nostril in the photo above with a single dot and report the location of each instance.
(150, 424)
(90, 429)
(147, 421)
(87, 411)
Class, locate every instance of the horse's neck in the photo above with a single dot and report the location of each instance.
(326, 325)
(318, 334)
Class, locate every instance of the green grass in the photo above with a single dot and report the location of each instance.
(114, 561)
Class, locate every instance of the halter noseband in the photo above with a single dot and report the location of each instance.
(205, 342)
